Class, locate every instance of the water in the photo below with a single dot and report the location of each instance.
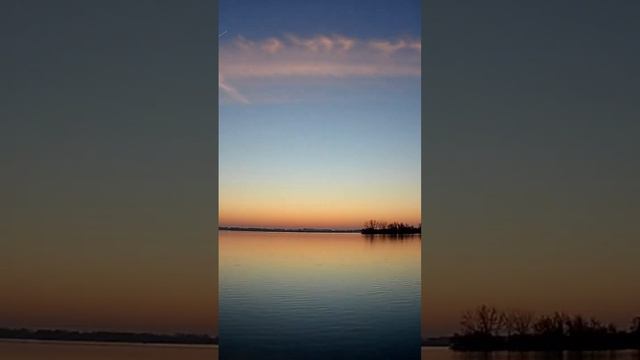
(39, 350)
(429, 353)
(319, 296)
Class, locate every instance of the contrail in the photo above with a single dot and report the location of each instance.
(219, 36)
(231, 91)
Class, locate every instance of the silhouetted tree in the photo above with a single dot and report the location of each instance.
(486, 328)
(468, 323)
(577, 326)
(518, 322)
(635, 326)
(483, 320)
(551, 325)
(381, 227)
(371, 224)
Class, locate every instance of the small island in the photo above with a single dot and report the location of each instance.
(489, 329)
(394, 228)
(106, 336)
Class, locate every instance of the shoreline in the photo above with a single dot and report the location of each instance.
(328, 231)
(104, 343)
(451, 343)
(105, 337)
(319, 231)
(442, 347)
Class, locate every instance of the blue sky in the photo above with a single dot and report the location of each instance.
(375, 18)
(322, 97)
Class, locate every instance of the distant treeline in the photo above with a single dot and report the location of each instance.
(394, 228)
(310, 230)
(106, 336)
(487, 328)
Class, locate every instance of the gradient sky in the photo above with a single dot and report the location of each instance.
(107, 146)
(319, 113)
(532, 158)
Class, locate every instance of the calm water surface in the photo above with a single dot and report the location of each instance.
(319, 296)
(41, 350)
(430, 353)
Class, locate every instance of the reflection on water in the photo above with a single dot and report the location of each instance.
(319, 296)
(434, 353)
(39, 350)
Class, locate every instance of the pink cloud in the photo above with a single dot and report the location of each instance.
(323, 69)
(345, 43)
(272, 45)
(318, 56)
(242, 43)
(390, 47)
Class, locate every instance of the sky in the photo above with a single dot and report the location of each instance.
(531, 182)
(107, 146)
(319, 113)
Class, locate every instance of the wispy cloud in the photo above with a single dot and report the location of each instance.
(338, 56)
(322, 43)
(230, 91)
(320, 69)
(272, 45)
(390, 47)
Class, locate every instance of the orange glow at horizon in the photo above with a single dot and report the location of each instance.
(319, 209)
